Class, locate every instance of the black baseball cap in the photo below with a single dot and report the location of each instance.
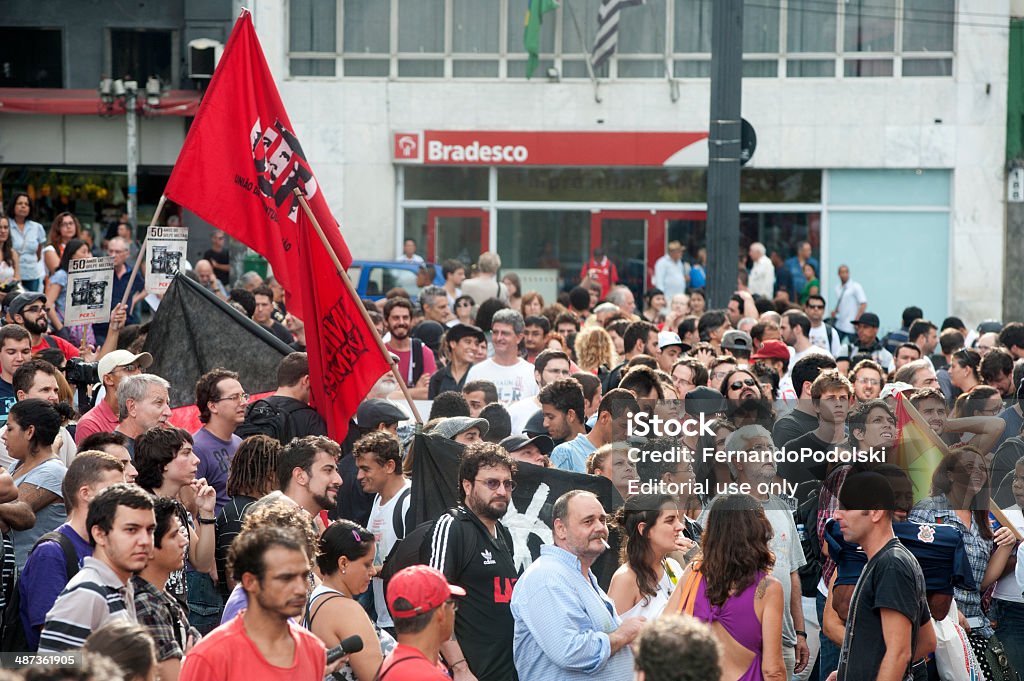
(23, 300)
(535, 426)
(459, 331)
(513, 443)
(868, 319)
(704, 400)
(373, 412)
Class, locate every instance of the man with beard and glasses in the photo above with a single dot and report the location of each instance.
(415, 360)
(307, 472)
(566, 627)
(482, 645)
(120, 524)
(263, 641)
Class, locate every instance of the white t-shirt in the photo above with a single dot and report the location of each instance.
(514, 382)
(825, 338)
(521, 412)
(380, 524)
(850, 296)
(1008, 588)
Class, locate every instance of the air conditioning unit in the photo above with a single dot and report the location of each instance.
(203, 56)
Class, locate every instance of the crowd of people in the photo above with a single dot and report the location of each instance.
(769, 528)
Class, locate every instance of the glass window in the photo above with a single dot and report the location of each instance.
(780, 186)
(540, 239)
(453, 184)
(420, 26)
(475, 26)
(869, 26)
(375, 68)
(928, 26)
(867, 68)
(693, 26)
(811, 26)
(579, 30)
(475, 68)
(692, 69)
(367, 27)
(811, 68)
(146, 53)
(927, 67)
(760, 69)
(34, 57)
(682, 185)
(311, 67)
(761, 26)
(642, 29)
(420, 68)
(642, 68)
(312, 26)
(516, 27)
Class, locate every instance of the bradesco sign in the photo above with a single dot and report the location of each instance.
(453, 147)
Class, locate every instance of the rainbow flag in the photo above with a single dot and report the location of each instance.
(918, 449)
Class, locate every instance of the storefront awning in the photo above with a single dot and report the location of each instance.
(62, 102)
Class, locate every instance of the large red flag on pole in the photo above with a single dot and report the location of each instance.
(241, 161)
(238, 170)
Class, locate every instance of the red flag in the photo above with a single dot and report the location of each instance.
(241, 160)
(237, 170)
(344, 359)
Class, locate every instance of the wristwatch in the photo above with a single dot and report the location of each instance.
(801, 633)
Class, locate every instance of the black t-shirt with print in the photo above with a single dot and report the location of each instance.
(891, 580)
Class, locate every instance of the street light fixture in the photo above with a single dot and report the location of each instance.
(126, 91)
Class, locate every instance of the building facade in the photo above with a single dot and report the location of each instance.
(880, 131)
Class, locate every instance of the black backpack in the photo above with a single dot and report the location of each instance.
(414, 549)
(12, 633)
(265, 418)
(806, 517)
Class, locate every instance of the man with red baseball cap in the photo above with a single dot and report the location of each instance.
(423, 609)
(776, 354)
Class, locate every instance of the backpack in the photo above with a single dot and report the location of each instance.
(397, 517)
(414, 549)
(806, 518)
(12, 633)
(265, 418)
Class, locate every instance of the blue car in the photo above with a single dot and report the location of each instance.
(374, 278)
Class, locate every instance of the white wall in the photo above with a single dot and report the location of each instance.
(955, 123)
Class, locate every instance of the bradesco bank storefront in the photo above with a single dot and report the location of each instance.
(544, 200)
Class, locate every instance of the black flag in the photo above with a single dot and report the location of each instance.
(194, 331)
(435, 479)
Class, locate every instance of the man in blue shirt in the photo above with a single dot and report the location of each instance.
(566, 627)
(795, 265)
(612, 416)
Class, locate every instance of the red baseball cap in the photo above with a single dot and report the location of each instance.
(423, 586)
(772, 349)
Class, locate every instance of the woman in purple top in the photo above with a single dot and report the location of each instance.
(737, 595)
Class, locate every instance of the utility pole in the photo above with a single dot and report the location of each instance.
(131, 120)
(723, 229)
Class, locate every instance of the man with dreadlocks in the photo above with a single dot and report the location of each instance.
(253, 474)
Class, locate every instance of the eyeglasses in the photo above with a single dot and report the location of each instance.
(868, 381)
(966, 357)
(240, 397)
(493, 484)
(453, 604)
(815, 307)
(128, 368)
(720, 374)
(736, 385)
(36, 308)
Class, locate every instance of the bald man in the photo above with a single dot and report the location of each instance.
(208, 278)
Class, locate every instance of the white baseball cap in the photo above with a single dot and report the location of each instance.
(120, 358)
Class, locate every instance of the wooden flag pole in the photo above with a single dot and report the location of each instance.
(142, 251)
(366, 317)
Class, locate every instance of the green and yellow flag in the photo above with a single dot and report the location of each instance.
(535, 11)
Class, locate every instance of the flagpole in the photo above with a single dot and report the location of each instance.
(142, 251)
(352, 292)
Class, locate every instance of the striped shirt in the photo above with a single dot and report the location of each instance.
(93, 597)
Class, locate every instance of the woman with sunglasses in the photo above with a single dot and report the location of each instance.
(464, 309)
(345, 560)
(56, 291)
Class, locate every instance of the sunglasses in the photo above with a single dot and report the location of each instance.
(736, 385)
(493, 484)
(815, 307)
